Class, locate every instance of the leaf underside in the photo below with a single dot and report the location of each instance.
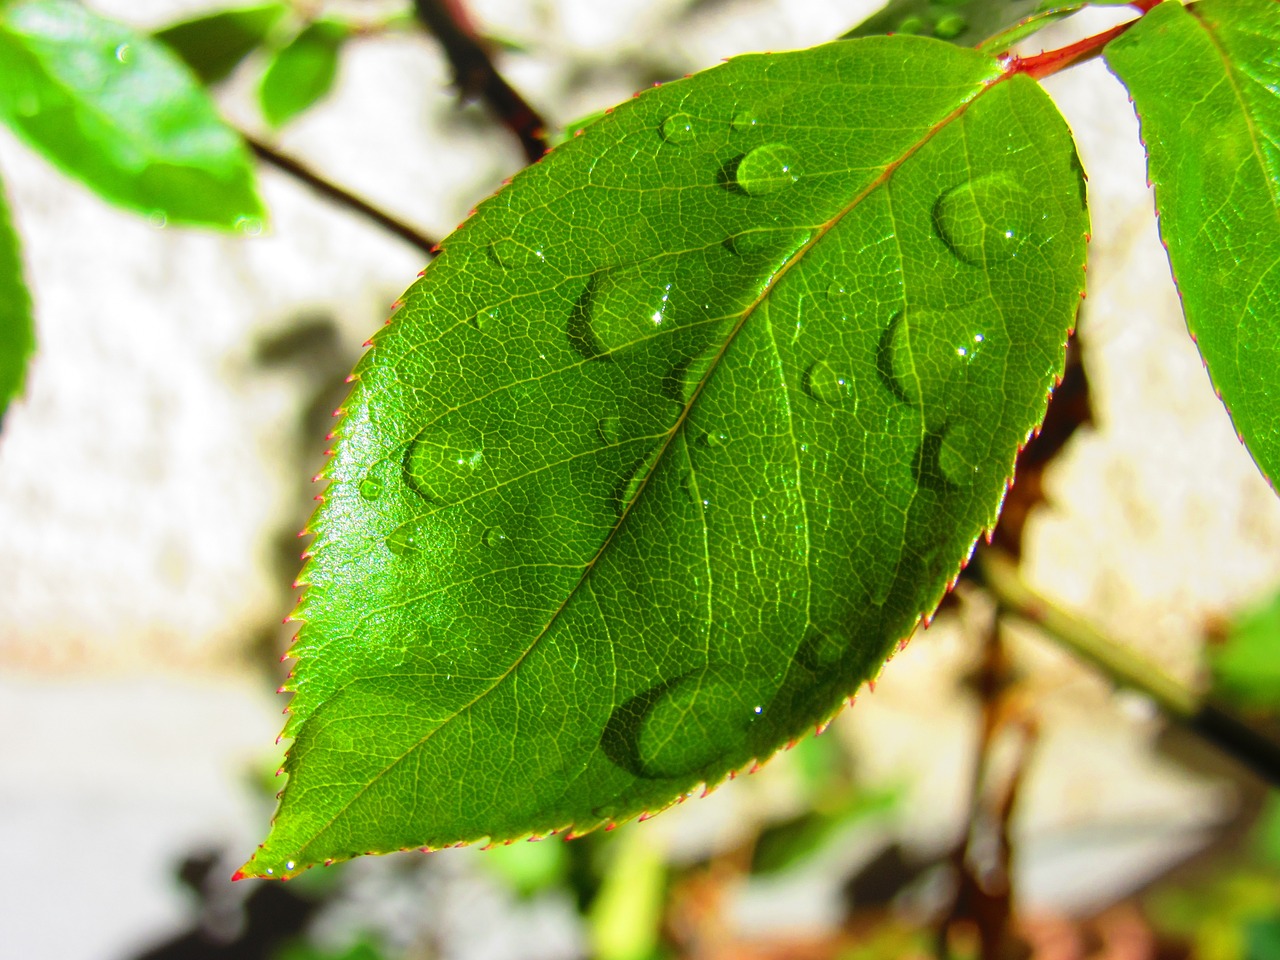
(1205, 81)
(121, 113)
(676, 438)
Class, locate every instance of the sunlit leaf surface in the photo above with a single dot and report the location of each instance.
(120, 112)
(302, 71)
(1206, 83)
(674, 441)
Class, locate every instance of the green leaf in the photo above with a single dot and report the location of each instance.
(1246, 667)
(673, 442)
(302, 71)
(214, 45)
(1205, 82)
(121, 113)
(17, 331)
(992, 26)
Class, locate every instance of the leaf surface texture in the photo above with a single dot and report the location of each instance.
(677, 437)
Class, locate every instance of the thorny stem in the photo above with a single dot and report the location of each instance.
(1216, 723)
(340, 196)
(1048, 62)
(475, 75)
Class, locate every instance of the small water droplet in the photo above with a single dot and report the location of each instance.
(678, 128)
(249, 226)
(123, 53)
(289, 865)
(495, 538)
(771, 242)
(713, 438)
(407, 539)
(822, 648)
(371, 486)
(836, 291)
(609, 430)
(827, 384)
(911, 25)
(446, 461)
(768, 169)
(950, 26)
(487, 319)
(984, 219)
(743, 120)
(158, 219)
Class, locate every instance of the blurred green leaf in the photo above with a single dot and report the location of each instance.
(1246, 666)
(17, 330)
(302, 950)
(989, 25)
(1205, 80)
(213, 45)
(789, 842)
(121, 113)
(626, 914)
(528, 867)
(302, 71)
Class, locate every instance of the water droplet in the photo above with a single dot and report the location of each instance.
(768, 169)
(249, 226)
(609, 430)
(289, 865)
(778, 242)
(822, 648)
(911, 25)
(371, 486)
(123, 53)
(714, 438)
(158, 219)
(639, 477)
(836, 291)
(487, 319)
(681, 726)
(678, 128)
(509, 254)
(950, 26)
(924, 353)
(407, 539)
(495, 538)
(826, 383)
(621, 307)
(743, 120)
(446, 461)
(984, 219)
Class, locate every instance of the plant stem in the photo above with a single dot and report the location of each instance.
(1049, 62)
(340, 196)
(475, 75)
(1217, 723)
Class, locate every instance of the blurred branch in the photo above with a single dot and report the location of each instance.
(1217, 723)
(338, 195)
(475, 75)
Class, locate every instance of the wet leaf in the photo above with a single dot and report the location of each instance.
(122, 114)
(1205, 82)
(992, 26)
(17, 334)
(673, 442)
(302, 71)
(213, 45)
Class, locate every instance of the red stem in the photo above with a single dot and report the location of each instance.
(1049, 62)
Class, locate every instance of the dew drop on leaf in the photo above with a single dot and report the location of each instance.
(446, 461)
(985, 219)
(743, 120)
(371, 487)
(911, 25)
(822, 648)
(609, 429)
(825, 383)
(508, 254)
(677, 128)
(407, 539)
(768, 169)
(621, 307)
(713, 438)
(495, 538)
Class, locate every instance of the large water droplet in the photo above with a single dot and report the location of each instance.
(822, 648)
(621, 307)
(984, 219)
(679, 727)
(827, 382)
(950, 26)
(678, 128)
(446, 461)
(408, 539)
(924, 353)
(768, 169)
